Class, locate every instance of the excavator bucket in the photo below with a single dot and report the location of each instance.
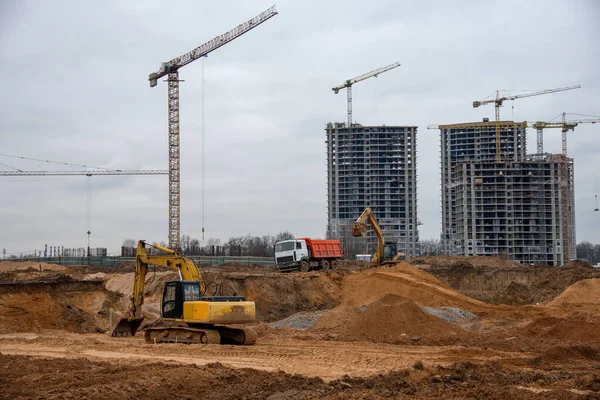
(121, 325)
(359, 229)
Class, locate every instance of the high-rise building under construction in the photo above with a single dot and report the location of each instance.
(373, 166)
(520, 206)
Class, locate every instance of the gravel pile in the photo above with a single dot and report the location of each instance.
(450, 314)
(301, 320)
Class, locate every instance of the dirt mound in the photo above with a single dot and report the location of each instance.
(55, 301)
(408, 281)
(563, 329)
(578, 264)
(565, 353)
(81, 312)
(584, 295)
(476, 261)
(525, 284)
(39, 266)
(391, 319)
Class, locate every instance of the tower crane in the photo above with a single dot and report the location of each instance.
(171, 70)
(565, 126)
(348, 85)
(498, 101)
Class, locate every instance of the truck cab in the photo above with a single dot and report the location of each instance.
(291, 252)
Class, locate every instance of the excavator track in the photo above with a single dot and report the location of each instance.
(215, 334)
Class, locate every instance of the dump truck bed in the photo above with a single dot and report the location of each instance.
(324, 248)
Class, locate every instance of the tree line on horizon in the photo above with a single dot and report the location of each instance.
(237, 246)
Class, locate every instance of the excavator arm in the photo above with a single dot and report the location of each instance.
(360, 229)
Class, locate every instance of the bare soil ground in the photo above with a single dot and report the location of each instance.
(498, 281)
(368, 333)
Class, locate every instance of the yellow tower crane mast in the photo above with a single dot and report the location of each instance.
(170, 69)
(348, 85)
(498, 101)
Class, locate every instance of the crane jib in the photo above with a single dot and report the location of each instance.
(220, 40)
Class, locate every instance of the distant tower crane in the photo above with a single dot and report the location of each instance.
(348, 85)
(171, 70)
(565, 126)
(498, 103)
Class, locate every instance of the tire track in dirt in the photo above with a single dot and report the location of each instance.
(327, 360)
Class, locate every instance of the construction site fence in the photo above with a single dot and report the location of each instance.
(112, 261)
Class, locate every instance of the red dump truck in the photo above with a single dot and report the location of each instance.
(304, 254)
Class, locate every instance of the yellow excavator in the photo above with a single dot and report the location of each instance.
(387, 252)
(194, 317)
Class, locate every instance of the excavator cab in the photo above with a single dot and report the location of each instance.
(389, 251)
(177, 293)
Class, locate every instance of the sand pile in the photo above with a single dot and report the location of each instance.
(583, 296)
(408, 281)
(18, 266)
(391, 319)
(384, 305)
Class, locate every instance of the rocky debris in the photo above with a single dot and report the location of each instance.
(301, 320)
(450, 314)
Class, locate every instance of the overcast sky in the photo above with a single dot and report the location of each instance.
(75, 89)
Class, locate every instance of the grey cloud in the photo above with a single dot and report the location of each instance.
(76, 79)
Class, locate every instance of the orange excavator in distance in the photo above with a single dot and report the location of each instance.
(195, 317)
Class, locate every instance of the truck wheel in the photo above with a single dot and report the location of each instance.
(304, 266)
(334, 264)
(326, 265)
